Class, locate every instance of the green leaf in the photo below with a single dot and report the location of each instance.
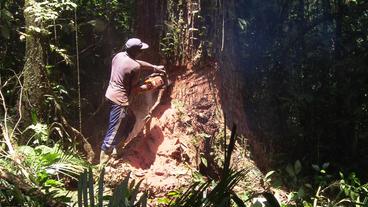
(163, 200)
(43, 149)
(237, 200)
(197, 177)
(50, 158)
(5, 32)
(98, 24)
(6, 14)
(34, 117)
(301, 192)
(90, 188)
(204, 161)
(27, 150)
(290, 170)
(55, 183)
(308, 185)
(267, 177)
(42, 176)
(297, 167)
(173, 193)
(325, 165)
(316, 168)
(257, 204)
(101, 187)
(40, 131)
(242, 24)
(134, 192)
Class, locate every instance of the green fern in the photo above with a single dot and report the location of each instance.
(51, 160)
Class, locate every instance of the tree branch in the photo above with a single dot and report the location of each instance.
(19, 104)
(4, 125)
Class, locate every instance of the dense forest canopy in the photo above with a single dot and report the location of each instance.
(293, 77)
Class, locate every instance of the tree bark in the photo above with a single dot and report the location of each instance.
(36, 84)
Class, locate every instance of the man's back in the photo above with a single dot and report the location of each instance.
(124, 74)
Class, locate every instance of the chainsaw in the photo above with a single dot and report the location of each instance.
(155, 81)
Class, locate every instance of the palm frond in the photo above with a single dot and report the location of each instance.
(124, 195)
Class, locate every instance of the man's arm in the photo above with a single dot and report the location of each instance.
(156, 68)
(158, 101)
(139, 89)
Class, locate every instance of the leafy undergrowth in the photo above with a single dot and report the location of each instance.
(321, 187)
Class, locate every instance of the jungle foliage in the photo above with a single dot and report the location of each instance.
(302, 65)
(305, 72)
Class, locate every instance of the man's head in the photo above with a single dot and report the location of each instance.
(134, 46)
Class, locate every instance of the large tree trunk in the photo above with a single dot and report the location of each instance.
(36, 84)
(150, 24)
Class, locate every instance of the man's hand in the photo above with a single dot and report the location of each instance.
(159, 68)
(148, 66)
(148, 117)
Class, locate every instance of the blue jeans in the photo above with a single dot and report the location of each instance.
(121, 123)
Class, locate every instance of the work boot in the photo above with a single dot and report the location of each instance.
(104, 157)
(114, 153)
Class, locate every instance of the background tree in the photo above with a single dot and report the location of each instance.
(36, 84)
(303, 62)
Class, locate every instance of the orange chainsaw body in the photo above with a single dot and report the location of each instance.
(154, 82)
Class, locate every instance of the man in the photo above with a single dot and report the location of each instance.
(124, 79)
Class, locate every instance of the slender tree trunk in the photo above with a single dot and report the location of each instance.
(344, 129)
(36, 84)
(326, 4)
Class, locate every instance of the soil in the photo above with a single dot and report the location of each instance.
(165, 151)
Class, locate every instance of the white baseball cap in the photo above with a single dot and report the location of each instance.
(135, 42)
